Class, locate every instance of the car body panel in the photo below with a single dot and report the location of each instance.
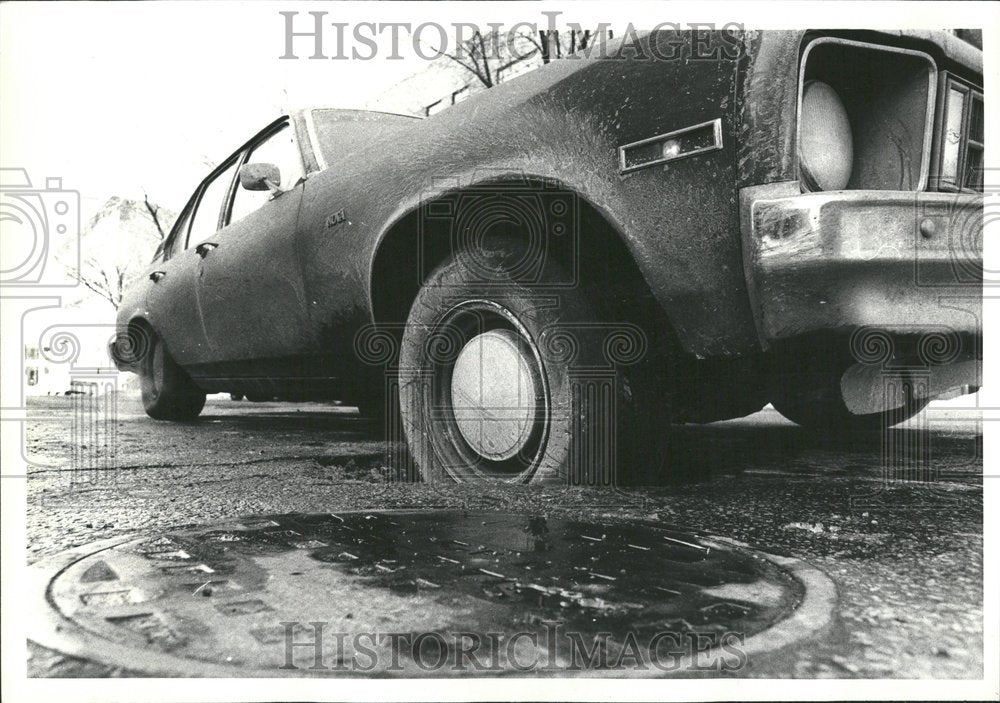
(578, 113)
(241, 292)
(170, 305)
(562, 125)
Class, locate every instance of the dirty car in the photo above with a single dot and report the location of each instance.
(533, 284)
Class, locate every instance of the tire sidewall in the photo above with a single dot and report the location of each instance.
(579, 442)
(177, 398)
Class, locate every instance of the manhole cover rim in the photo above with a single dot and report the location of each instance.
(49, 627)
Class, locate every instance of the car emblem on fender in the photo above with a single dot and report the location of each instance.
(335, 219)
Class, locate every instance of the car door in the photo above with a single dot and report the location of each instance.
(172, 298)
(250, 286)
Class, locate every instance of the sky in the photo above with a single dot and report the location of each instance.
(126, 98)
(117, 98)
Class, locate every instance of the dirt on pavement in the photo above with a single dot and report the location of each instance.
(906, 555)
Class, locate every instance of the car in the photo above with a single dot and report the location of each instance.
(532, 285)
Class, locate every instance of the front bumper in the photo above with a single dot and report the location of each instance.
(908, 263)
(115, 355)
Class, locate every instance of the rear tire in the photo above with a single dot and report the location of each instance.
(168, 393)
(821, 406)
(513, 380)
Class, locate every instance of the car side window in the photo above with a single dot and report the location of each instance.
(206, 216)
(281, 150)
(175, 240)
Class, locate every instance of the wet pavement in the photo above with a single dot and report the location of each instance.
(905, 556)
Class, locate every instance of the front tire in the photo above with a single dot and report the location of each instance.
(168, 393)
(511, 380)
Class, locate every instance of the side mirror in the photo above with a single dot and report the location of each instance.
(260, 177)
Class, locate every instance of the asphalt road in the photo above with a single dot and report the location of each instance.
(906, 555)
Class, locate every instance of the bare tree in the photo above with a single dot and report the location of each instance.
(109, 285)
(472, 55)
(553, 44)
(114, 254)
(154, 213)
(484, 54)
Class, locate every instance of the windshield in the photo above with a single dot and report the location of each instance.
(341, 133)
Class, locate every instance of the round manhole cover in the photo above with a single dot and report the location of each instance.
(413, 593)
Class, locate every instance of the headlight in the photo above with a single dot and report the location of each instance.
(826, 148)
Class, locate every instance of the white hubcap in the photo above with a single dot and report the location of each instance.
(494, 393)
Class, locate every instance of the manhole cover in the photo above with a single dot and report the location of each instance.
(413, 593)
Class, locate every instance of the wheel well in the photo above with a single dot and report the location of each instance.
(140, 334)
(697, 390)
(597, 255)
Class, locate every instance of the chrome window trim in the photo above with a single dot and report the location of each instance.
(932, 80)
(716, 125)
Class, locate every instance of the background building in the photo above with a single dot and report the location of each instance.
(445, 83)
(483, 62)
